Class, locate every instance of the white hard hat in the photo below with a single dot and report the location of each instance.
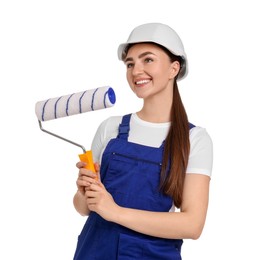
(161, 34)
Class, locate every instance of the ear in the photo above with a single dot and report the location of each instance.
(175, 67)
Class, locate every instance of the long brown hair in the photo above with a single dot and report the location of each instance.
(177, 146)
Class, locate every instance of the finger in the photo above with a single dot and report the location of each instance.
(91, 193)
(80, 164)
(90, 187)
(92, 202)
(97, 167)
(88, 179)
(83, 183)
(95, 187)
(85, 172)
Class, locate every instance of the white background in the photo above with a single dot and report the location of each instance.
(52, 48)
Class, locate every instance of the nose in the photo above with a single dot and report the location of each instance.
(137, 69)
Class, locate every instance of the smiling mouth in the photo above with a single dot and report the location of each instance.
(142, 82)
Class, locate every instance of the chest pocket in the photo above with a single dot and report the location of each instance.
(134, 182)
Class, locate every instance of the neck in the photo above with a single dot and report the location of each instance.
(156, 111)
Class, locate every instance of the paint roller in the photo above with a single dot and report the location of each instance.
(76, 103)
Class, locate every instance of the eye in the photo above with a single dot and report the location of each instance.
(148, 60)
(129, 65)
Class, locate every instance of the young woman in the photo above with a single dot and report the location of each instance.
(148, 163)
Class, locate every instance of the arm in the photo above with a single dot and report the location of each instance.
(188, 223)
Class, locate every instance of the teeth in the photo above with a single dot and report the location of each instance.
(141, 82)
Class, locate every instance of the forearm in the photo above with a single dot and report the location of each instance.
(173, 225)
(188, 223)
(80, 204)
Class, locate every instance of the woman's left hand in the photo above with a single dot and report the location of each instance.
(100, 201)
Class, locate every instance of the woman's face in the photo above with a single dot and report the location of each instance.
(149, 70)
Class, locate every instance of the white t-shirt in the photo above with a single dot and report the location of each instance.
(153, 134)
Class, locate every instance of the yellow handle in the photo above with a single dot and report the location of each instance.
(87, 158)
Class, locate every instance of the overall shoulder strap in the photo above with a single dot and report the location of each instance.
(191, 126)
(124, 127)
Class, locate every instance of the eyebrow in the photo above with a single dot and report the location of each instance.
(140, 56)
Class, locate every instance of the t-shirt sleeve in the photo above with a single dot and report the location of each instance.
(201, 152)
(98, 141)
(107, 129)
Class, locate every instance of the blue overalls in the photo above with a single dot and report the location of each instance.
(131, 174)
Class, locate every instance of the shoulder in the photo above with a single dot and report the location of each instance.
(201, 151)
(112, 121)
(109, 127)
(199, 135)
(107, 130)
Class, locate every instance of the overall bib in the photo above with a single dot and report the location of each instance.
(131, 174)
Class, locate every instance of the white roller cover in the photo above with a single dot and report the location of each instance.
(81, 102)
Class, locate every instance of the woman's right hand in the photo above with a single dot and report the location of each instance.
(86, 177)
